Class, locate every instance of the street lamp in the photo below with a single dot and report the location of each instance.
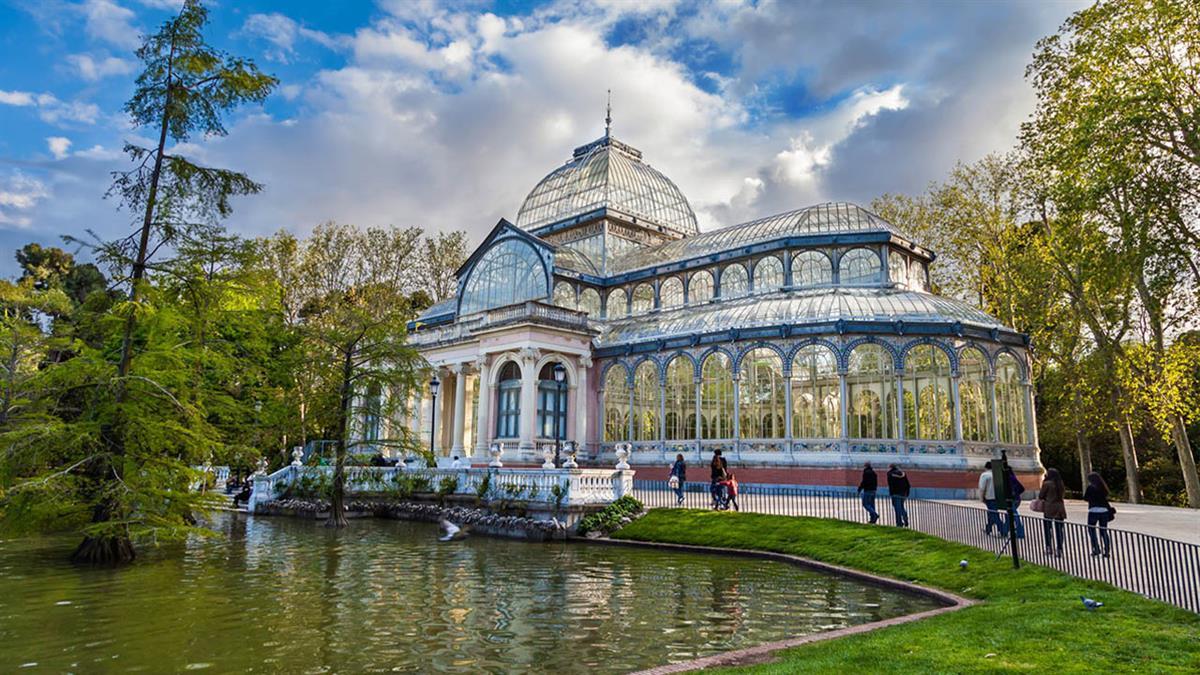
(433, 390)
(560, 378)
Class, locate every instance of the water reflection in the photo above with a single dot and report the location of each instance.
(293, 596)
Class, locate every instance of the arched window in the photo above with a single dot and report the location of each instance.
(734, 282)
(762, 395)
(716, 397)
(811, 268)
(928, 406)
(897, 268)
(508, 273)
(508, 401)
(816, 394)
(916, 276)
(871, 388)
(616, 304)
(589, 301)
(643, 299)
(564, 295)
(373, 412)
(646, 396)
(768, 275)
(551, 405)
(681, 399)
(616, 404)
(1010, 403)
(700, 287)
(670, 294)
(973, 393)
(859, 266)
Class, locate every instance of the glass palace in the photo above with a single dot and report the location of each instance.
(800, 344)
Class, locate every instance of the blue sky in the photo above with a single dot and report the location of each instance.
(444, 115)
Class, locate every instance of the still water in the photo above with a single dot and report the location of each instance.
(284, 595)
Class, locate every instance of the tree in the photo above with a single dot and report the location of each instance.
(121, 453)
(444, 253)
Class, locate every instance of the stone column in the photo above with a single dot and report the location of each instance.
(483, 419)
(460, 408)
(581, 401)
(528, 418)
(437, 409)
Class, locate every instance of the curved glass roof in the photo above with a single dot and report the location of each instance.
(830, 218)
(795, 308)
(607, 173)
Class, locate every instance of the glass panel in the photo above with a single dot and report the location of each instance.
(616, 404)
(700, 287)
(916, 276)
(643, 299)
(768, 275)
(811, 268)
(1010, 404)
(616, 304)
(859, 266)
(734, 282)
(762, 395)
(564, 295)
(716, 397)
(589, 301)
(927, 389)
(816, 394)
(646, 393)
(681, 400)
(508, 273)
(671, 293)
(897, 267)
(972, 392)
(872, 391)
(508, 402)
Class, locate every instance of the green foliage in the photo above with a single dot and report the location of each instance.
(608, 519)
(559, 492)
(1029, 619)
(447, 486)
(484, 488)
(310, 486)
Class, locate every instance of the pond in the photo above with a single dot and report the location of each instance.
(285, 595)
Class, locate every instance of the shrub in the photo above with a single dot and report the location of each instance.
(484, 487)
(448, 486)
(608, 519)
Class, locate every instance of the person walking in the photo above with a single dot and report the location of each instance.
(677, 478)
(719, 470)
(1015, 490)
(731, 492)
(867, 487)
(898, 488)
(1100, 513)
(1052, 502)
(987, 494)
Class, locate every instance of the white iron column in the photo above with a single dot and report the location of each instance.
(460, 408)
(995, 416)
(787, 410)
(902, 432)
(958, 432)
(844, 392)
(483, 419)
(528, 398)
(1030, 425)
(699, 437)
(737, 414)
(581, 401)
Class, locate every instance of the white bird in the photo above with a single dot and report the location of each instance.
(962, 564)
(1090, 603)
(452, 531)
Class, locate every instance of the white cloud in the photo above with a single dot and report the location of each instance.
(58, 146)
(99, 152)
(19, 194)
(283, 33)
(92, 68)
(109, 22)
(50, 108)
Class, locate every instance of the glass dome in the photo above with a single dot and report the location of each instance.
(607, 173)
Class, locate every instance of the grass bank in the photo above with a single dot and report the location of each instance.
(1031, 620)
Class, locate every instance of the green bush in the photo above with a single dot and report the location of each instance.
(448, 486)
(484, 487)
(311, 486)
(609, 519)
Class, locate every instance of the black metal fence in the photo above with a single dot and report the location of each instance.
(1163, 569)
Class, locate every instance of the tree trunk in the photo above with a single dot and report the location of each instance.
(1187, 462)
(110, 550)
(1133, 483)
(1083, 445)
(337, 510)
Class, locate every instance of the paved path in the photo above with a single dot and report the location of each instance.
(1167, 522)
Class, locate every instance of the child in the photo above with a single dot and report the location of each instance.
(731, 492)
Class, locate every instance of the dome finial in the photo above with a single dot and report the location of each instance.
(608, 116)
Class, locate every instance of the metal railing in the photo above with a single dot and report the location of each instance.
(1158, 568)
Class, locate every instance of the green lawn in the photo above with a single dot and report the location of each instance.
(1031, 620)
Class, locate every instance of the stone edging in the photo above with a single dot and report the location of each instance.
(765, 652)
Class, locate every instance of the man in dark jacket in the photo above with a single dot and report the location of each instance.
(867, 488)
(898, 488)
(719, 471)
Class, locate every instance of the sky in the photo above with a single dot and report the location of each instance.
(445, 115)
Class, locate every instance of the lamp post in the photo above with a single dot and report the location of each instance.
(560, 378)
(433, 390)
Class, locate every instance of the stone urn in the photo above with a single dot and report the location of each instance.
(622, 456)
(495, 451)
(571, 449)
(297, 454)
(548, 456)
(262, 467)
